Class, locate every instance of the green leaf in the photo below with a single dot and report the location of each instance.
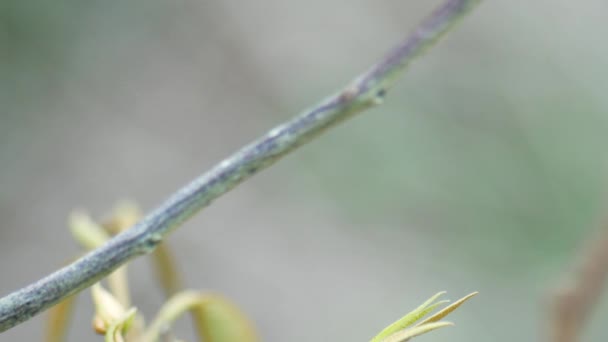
(216, 319)
(407, 334)
(411, 317)
(401, 330)
(447, 310)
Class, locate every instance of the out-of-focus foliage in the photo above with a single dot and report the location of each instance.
(215, 318)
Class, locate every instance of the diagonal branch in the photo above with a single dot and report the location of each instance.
(365, 91)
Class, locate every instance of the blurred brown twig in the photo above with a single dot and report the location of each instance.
(573, 301)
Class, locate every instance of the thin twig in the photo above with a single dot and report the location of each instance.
(574, 301)
(365, 91)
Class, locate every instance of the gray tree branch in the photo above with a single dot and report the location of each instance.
(365, 91)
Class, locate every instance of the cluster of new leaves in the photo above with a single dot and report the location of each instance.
(215, 318)
(404, 329)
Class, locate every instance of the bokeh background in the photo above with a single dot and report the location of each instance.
(484, 170)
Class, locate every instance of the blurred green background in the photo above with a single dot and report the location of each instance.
(483, 171)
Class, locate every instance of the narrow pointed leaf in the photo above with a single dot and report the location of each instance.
(411, 317)
(107, 308)
(407, 334)
(447, 310)
(215, 318)
(91, 235)
(119, 328)
(123, 217)
(58, 320)
(166, 270)
(87, 233)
